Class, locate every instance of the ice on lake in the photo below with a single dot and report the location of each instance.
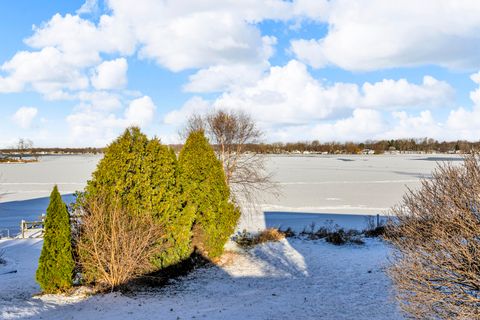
(312, 187)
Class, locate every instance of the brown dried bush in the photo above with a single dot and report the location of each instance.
(436, 240)
(114, 246)
(248, 240)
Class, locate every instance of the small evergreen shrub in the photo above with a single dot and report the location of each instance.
(206, 193)
(56, 264)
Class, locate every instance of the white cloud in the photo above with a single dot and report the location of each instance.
(408, 126)
(195, 105)
(362, 125)
(376, 34)
(110, 75)
(180, 34)
(24, 117)
(81, 40)
(394, 94)
(290, 95)
(99, 126)
(140, 112)
(90, 6)
(100, 100)
(47, 71)
(224, 77)
(291, 104)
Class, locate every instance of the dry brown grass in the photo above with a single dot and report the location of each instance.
(113, 246)
(248, 240)
(270, 235)
(436, 267)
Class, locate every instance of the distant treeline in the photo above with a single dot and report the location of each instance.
(40, 151)
(424, 145)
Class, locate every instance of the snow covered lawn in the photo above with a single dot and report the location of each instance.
(291, 279)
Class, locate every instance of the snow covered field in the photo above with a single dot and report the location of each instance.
(292, 279)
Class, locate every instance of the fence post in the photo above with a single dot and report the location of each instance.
(378, 220)
(22, 226)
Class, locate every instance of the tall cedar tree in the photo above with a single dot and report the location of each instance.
(56, 264)
(205, 191)
(142, 173)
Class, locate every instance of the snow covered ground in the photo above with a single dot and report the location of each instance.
(291, 279)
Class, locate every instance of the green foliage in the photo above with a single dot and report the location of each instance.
(206, 192)
(142, 174)
(165, 204)
(121, 172)
(56, 264)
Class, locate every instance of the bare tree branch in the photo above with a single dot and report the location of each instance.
(230, 132)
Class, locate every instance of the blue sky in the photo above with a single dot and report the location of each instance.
(76, 73)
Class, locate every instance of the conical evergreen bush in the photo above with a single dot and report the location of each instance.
(56, 264)
(165, 203)
(142, 175)
(121, 173)
(205, 191)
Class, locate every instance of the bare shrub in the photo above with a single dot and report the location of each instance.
(436, 237)
(113, 246)
(248, 240)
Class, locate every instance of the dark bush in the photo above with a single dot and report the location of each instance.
(336, 237)
(375, 233)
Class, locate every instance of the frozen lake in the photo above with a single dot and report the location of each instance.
(312, 187)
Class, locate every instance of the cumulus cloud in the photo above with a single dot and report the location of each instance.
(99, 126)
(377, 34)
(289, 95)
(289, 103)
(81, 40)
(47, 71)
(362, 125)
(392, 94)
(231, 57)
(110, 75)
(90, 6)
(224, 78)
(195, 105)
(140, 112)
(24, 117)
(407, 126)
